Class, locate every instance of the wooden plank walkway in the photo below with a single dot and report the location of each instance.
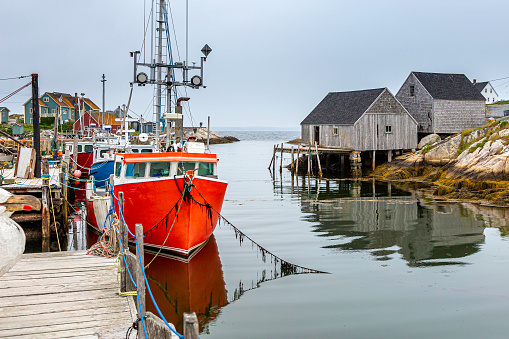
(29, 185)
(63, 295)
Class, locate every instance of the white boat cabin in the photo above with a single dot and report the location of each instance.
(132, 167)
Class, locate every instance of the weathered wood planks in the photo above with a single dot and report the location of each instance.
(57, 295)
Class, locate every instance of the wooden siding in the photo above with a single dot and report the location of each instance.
(420, 106)
(454, 116)
(370, 132)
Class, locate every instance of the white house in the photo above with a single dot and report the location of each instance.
(487, 91)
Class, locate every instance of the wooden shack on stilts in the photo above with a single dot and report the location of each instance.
(366, 126)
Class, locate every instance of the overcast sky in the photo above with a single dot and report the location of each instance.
(272, 61)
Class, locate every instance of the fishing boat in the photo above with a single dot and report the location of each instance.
(176, 196)
(85, 155)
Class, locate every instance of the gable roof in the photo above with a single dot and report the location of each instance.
(91, 104)
(449, 86)
(109, 119)
(2, 108)
(342, 108)
(62, 103)
(480, 85)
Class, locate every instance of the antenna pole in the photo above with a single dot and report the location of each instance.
(103, 81)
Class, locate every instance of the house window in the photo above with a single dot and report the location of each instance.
(491, 90)
(412, 90)
(31, 110)
(53, 111)
(485, 90)
(335, 130)
(388, 129)
(45, 99)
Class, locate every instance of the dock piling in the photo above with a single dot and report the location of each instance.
(190, 325)
(140, 279)
(281, 161)
(46, 232)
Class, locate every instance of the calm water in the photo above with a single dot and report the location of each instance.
(400, 266)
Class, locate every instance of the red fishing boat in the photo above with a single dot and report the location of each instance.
(84, 158)
(176, 196)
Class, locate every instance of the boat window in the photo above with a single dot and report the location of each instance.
(103, 152)
(118, 167)
(206, 168)
(80, 148)
(135, 150)
(183, 167)
(89, 148)
(135, 170)
(160, 169)
(146, 150)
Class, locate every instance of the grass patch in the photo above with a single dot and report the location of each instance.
(478, 145)
(427, 148)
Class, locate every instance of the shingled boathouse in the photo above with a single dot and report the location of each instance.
(363, 122)
(442, 103)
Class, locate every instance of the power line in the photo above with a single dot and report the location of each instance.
(499, 79)
(16, 78)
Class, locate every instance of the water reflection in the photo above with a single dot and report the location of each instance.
(373, 216)
(194, 286)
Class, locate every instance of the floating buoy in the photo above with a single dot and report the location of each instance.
(77, 182)
(60, 151)
(77, 173)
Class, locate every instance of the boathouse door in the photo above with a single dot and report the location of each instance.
(317, 135)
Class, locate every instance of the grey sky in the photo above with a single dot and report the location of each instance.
(272, 61)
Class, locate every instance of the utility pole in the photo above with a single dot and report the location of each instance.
(37, 127)
(103, 81)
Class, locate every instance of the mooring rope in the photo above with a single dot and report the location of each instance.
(285, 265)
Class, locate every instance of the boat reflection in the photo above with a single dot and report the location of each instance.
(196, 285)
(376, 217)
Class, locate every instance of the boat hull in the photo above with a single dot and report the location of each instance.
(171, 222)
(84, 161)
(101, 172)
(183, 224)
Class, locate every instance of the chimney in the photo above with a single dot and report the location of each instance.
(475, 81)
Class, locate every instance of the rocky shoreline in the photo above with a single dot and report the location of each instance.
(201, 135)
(472, 166)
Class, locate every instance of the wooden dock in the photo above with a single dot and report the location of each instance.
(64, 295)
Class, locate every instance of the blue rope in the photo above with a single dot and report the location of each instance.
(144, 275)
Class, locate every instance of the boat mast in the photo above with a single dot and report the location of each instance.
(159, 66)
(141, 78)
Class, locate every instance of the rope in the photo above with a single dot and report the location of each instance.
(285, 265)
(144, 275)
(54, 219)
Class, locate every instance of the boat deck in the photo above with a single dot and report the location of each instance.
(63, 295)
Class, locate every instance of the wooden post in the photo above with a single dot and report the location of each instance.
(123, 227)
(64, 193)
(318, 161)
(75, 153)
(36, 144)
(191, 330)
(45, 206)
(281, 162)
(342, 160)
(273, 157)
(292, 165)
(140, 281)
(374, 160)
(309, 161)
(389, 156)
(298, 158)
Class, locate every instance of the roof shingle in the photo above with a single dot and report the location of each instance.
(449, 86)
(342, 108)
